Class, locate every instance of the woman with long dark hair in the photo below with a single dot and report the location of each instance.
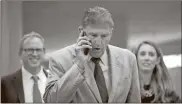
(155, 81)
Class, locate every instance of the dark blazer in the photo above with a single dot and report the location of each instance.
(12, 88)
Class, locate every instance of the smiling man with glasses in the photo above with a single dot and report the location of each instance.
(27, 84)
(32, 50)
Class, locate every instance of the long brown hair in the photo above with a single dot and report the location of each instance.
(161, 82)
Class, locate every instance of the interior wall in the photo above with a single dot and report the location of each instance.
(11, 33)
(58, 21)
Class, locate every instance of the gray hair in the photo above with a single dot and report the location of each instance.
(97, 13)
(29, 35)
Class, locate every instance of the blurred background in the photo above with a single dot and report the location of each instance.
(58, 22)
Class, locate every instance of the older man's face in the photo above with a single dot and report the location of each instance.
(100, 35)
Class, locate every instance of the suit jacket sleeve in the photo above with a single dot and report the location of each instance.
(62, 83)
(3, 92)
(134, 93)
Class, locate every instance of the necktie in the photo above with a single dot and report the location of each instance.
(100, 81)
(36, 93)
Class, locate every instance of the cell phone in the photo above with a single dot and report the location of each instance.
(86, 50)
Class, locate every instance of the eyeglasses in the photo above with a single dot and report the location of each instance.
(31, 50)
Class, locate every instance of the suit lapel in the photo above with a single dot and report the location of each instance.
(115, 73)
(89, 78)
(45, 72)
(18, 84)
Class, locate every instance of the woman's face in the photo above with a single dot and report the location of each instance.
(147, 57)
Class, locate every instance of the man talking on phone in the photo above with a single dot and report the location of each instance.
(92, 71)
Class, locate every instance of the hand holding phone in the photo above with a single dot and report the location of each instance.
(82, 49)
(86, 50)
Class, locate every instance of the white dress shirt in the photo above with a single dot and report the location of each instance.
(28, 84)
(105, 68)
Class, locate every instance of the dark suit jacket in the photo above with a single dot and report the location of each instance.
(12, 88)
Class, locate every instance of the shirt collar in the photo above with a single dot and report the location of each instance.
(27, 75)
(103, 58)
